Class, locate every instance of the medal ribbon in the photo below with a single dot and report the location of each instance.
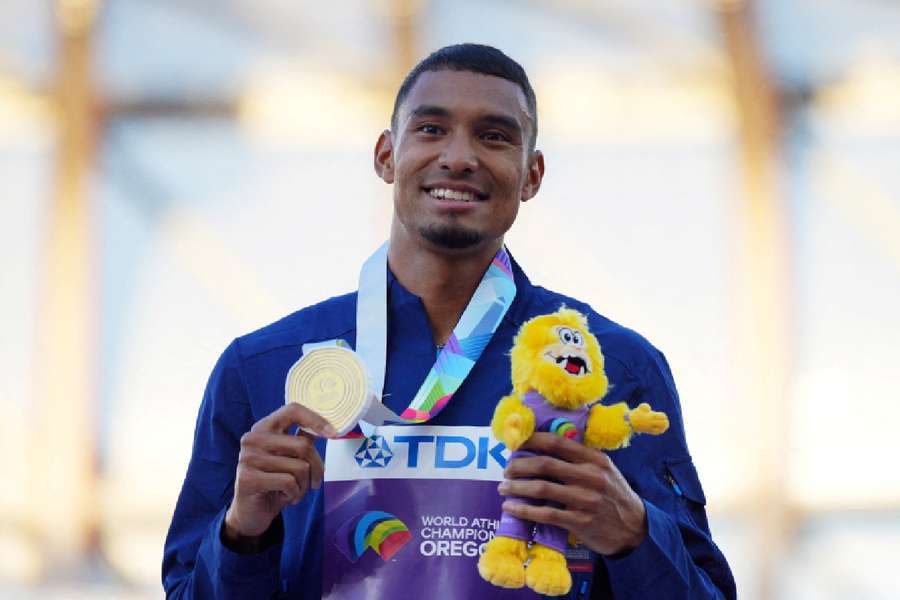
(479, 321)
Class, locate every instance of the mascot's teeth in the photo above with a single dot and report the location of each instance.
(574, 364)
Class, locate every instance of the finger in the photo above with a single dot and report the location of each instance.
(253, 481)
(563, 448)
(301, 446)
(547, 515)
(314, 460)
(548, 467)
(298, 446)
(294, 414)
(270, 463)
(570, 496)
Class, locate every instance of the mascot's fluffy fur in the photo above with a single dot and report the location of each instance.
(557, 372)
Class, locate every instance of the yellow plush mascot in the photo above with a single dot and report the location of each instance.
(557, 374)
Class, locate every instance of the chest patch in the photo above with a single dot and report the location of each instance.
(560, 426)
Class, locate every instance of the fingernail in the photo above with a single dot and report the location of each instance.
(329, 431)
(502, 487)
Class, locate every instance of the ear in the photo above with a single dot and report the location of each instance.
(384, 156)
(533, 176)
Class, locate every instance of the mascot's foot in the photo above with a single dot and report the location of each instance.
(503, 562)
(548, 573)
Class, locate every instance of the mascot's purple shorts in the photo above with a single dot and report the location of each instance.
(563, 422)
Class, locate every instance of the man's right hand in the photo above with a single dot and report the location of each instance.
(274, 469)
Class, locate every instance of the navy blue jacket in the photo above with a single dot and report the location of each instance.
(678, 558)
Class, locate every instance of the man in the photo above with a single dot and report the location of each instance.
(461, 157)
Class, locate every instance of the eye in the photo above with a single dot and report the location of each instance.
(565, 335)
(430, 129)
(577, 339)
(494, 136)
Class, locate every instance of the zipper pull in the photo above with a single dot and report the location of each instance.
(583, 589)
(674, 484)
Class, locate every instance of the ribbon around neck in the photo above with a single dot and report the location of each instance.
(483, 314)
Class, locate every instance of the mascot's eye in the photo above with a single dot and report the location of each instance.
(577, 339)
(566, 335)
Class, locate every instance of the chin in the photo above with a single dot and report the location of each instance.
(452, 237)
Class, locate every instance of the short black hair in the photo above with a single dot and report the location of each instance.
(476, 58)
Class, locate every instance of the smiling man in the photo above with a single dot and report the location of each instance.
(254, 518)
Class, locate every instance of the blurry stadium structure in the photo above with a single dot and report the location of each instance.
(152, 147)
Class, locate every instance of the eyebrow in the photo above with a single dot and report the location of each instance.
(504, 121)
(429, 110)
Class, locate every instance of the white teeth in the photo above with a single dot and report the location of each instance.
(452, 194)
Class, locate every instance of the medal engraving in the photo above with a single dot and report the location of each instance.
(331, 382)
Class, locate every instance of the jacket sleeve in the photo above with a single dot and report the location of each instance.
(195, 562)
(678, 559)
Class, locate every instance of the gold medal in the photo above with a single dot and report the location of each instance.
(332, 382)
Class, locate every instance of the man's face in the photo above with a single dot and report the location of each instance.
(459, 159)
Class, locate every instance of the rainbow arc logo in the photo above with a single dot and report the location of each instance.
(382, 532)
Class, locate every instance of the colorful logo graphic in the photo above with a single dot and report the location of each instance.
(562, 427)
(382, 532)
(374, 452)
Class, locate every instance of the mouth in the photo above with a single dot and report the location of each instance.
(574, 365)
(455, 194)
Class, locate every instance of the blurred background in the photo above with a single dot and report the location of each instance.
(174, 173)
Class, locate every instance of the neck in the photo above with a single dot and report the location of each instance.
(445, 280)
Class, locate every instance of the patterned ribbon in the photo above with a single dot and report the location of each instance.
(472, 333)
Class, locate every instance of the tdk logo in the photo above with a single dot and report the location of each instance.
(448, 451)
(373, 452)
(418, 452)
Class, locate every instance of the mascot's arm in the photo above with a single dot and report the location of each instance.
(645, 420)
(611, 427)
(513, 422)
(607, 427)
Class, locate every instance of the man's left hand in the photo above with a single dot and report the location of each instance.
(594, 502)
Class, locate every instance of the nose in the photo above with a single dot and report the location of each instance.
(458, 156)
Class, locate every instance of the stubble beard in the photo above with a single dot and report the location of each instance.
(452, 237)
